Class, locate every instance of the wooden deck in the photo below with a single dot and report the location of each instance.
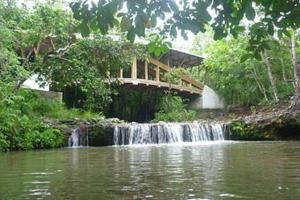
(148, 74)
(141, 83)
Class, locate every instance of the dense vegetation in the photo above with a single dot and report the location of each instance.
(173, 108)
(20, 123)
(253, 63)
(42, 39)
(260, 20)
(249, 83)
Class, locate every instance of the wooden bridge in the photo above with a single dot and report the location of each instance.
(150, 74)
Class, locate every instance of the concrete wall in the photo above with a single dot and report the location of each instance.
(32, 83)
(209, 100)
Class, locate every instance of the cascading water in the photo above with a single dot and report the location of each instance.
(78, 138)
(135, 133)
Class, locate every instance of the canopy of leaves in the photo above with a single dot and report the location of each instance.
(88, 63)
(24, 34)
(135, 16)
(43, 40)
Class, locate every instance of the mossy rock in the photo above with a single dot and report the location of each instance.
(100, 135)
(239, 130)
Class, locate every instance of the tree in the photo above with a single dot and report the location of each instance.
(30, 35)
(136, 16)
(87, 64)
(248, 83)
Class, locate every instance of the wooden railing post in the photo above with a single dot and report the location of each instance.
(134, 69)
(157, 73)
(121, 73)
(146, 70)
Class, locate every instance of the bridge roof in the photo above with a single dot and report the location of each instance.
(176, 57)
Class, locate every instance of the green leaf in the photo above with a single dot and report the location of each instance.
(125, 24)
(218, 32)
(75, 9)
(131, 34)
(153, 21)
(173, 31)
(250, 12)
(151, 47)
(257, 55)
(157, 51)
(139, 26)
(84, 29)
(245, 57)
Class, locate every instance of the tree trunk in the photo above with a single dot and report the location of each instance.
(266, 59)
(18, 84)
(294, 61)
(260, 85)
(283, 70)
(296, 66)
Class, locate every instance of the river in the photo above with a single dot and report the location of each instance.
(207, 170)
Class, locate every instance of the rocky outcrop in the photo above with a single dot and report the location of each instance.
(97, 131)
(283, 124)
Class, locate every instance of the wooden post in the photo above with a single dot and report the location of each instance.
(134, 69)
(146, 70)
(157, 73)
(121, 73)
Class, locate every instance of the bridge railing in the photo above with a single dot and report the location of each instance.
(153, 70)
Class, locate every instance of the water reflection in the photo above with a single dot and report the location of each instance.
(185, 171)
(253, 170)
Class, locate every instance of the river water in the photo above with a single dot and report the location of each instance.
(208, 170)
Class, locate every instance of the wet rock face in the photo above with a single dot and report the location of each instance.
(100, 135)
(94, 132)
(282, 127)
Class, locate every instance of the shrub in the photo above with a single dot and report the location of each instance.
(172, 108)
(239, 130)
(49, 138)
(21, 120)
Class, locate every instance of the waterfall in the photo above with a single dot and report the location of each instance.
(135, 133)
(78, 138)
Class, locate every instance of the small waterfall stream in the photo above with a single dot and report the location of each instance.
(135, 133)
(78, 138)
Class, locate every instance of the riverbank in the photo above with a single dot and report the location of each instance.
(274, 123)
(29, 121)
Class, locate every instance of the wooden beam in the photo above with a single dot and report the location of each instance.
(146, 70)
(184, 78)
(157, 73)
(134, 69)
(142, 83)
(121, 73)
(192, 81)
